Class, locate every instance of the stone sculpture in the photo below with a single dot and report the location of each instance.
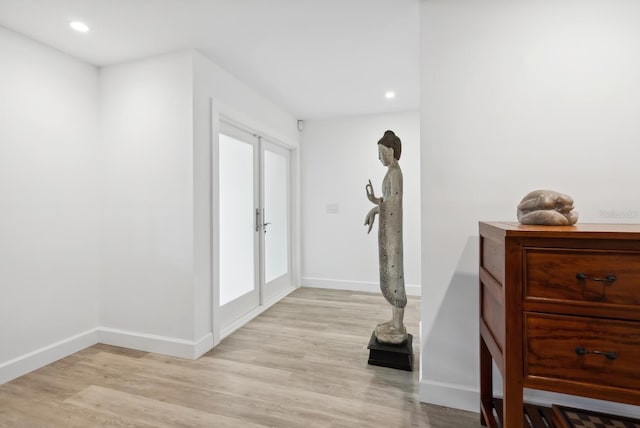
(547, 207)
(390, 253)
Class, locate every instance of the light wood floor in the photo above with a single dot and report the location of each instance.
(302, 363)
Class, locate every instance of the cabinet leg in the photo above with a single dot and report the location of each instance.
(513, 406)
(486, 381)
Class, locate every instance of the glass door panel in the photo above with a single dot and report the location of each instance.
(239, 239)
(276, 212)
(276, 203)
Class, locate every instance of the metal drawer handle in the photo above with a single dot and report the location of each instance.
(583, 276)
(610, 355)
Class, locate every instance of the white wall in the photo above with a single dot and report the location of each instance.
(146, 113)
(516, 96)
(339, 156)
(160, 180)
(216, 93)
(106, 185)
(49, 205)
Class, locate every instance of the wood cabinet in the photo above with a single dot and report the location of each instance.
(559, 311)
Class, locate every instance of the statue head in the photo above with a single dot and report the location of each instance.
(391, 140)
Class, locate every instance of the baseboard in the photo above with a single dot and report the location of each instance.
(39, 358)
(233, 326)
(468, 398)
(548, 398)
(369, 287)
(203, 346)
(450, 395)
(172, 346)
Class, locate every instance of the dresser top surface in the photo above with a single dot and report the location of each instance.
(579, 230)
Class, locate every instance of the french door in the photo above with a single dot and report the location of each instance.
(255, 219)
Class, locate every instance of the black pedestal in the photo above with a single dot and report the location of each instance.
(394, 356)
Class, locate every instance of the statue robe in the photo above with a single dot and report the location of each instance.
(390, 239)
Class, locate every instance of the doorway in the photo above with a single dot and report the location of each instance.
(255, 224)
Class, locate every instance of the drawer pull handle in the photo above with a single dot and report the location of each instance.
(610, 355)
(582, 276)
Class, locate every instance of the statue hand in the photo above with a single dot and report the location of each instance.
(371, 218)
(370, 193)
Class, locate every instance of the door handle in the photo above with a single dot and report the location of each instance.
(264, 226)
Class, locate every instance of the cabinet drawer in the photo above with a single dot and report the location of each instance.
(583, 275)
(579, 349)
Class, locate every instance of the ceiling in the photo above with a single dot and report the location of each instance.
(314, 58)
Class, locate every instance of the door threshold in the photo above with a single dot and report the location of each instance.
(234, 325)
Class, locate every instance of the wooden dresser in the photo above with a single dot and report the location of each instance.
(559, 311)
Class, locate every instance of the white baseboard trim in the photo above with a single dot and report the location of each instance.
(461, 397)
(39, 358)
(468, 398)
(369, 287)
(233, 326)
(189, 349)
(544, 398)
(203, 345)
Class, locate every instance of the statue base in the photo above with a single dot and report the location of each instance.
(394, 356)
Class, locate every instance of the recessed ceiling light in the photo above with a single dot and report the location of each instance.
(80, 27)
(389, 95)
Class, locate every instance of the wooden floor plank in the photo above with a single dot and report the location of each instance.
(141, 410)
(302, 363)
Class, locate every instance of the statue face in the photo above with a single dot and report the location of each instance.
(385, 154)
